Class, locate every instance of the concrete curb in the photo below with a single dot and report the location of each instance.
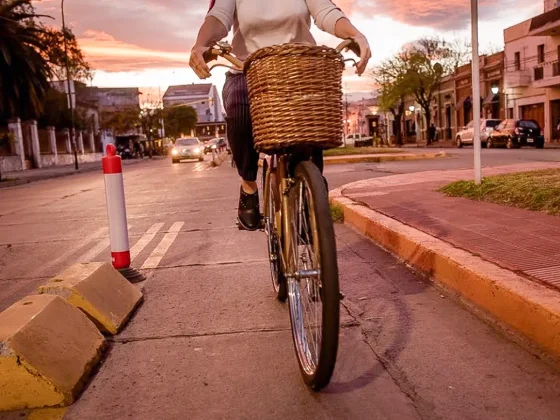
(48, 348)
(387, 157)
(100, 291)
(506, 299)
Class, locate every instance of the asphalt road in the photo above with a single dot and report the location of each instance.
(210, 342)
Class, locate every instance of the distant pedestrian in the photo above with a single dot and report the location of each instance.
(432, 134)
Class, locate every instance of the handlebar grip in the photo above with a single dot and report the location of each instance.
(351, 45)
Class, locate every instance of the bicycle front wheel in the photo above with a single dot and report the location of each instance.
(313, 289)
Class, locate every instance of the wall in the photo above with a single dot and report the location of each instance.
(10, 163)
(48, 160)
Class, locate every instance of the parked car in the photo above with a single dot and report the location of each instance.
(466, 135)
(516, 133)
(187, 148)
(358, 140)
(219, 144)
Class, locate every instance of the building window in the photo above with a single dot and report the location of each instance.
(540, 53)
(517, 61)
(539, 73)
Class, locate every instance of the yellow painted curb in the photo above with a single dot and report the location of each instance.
(387, 157)
(47, 350)
(47, 414)
(99, 290)
(513, 301)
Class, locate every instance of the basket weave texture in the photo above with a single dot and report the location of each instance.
(295, 96)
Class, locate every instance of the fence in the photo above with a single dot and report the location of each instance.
(61, 142)
(5, 148)
(44, 145)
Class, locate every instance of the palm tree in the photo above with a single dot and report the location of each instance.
(24, 73)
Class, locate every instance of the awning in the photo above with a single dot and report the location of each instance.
(491, 99)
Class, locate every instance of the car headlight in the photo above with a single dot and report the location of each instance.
(213, 146)
(196, 150)
(174, 152)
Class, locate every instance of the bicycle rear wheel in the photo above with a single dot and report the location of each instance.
(313, 289)
(270, 192)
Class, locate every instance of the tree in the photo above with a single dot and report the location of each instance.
(57, 114)
(122, 121)
(426, 63)
(150, 119)
(24, 72)
(55, 55)
(180, 120)
(392, 88)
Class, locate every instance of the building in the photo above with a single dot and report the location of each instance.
(363, 117)
(452, 104)
(203, 97)
(89, 110)
(109, 99)
(532, 70)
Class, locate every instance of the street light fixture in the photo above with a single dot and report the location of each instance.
(69, 86)
(411, 108)
(495, 90)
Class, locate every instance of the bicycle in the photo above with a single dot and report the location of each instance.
(301, 245)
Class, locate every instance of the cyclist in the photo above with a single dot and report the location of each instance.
(258, 24)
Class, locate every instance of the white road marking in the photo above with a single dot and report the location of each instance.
(91, 253)
(95, 235)
(145, 240)
(159, 252)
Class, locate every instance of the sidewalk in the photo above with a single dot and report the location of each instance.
(522, 246)
(32, 175)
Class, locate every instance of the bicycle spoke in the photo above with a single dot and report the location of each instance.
(304, 291)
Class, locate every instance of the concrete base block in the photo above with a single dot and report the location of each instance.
(47, 350)
(99, 290)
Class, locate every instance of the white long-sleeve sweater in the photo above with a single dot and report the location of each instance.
(263, 23)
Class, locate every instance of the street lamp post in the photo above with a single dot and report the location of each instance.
(476, 94)
(69, 87)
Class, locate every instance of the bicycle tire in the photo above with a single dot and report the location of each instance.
(307, 175)
(274, 248)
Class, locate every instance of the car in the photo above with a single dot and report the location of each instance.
(187, 148)
(215, 144)
(514, 134)
(358, 140)
(466, 135)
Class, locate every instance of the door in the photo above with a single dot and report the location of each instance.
(533, 112)
(448, 122)
(555, 114)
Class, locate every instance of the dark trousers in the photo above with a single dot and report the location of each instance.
(240, 128)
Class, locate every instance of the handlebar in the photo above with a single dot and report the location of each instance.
(223, 49)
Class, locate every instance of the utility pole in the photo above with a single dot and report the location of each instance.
(476, 93)
(69, 86)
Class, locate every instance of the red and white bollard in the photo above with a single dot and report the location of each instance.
(116, 213)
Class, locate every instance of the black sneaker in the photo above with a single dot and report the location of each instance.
(249, 213)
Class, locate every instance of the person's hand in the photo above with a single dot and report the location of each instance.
(365, 53)
(197, 62)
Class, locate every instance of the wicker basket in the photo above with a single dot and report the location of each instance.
(295, 95)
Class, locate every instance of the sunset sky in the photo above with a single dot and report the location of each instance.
(146, 42)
